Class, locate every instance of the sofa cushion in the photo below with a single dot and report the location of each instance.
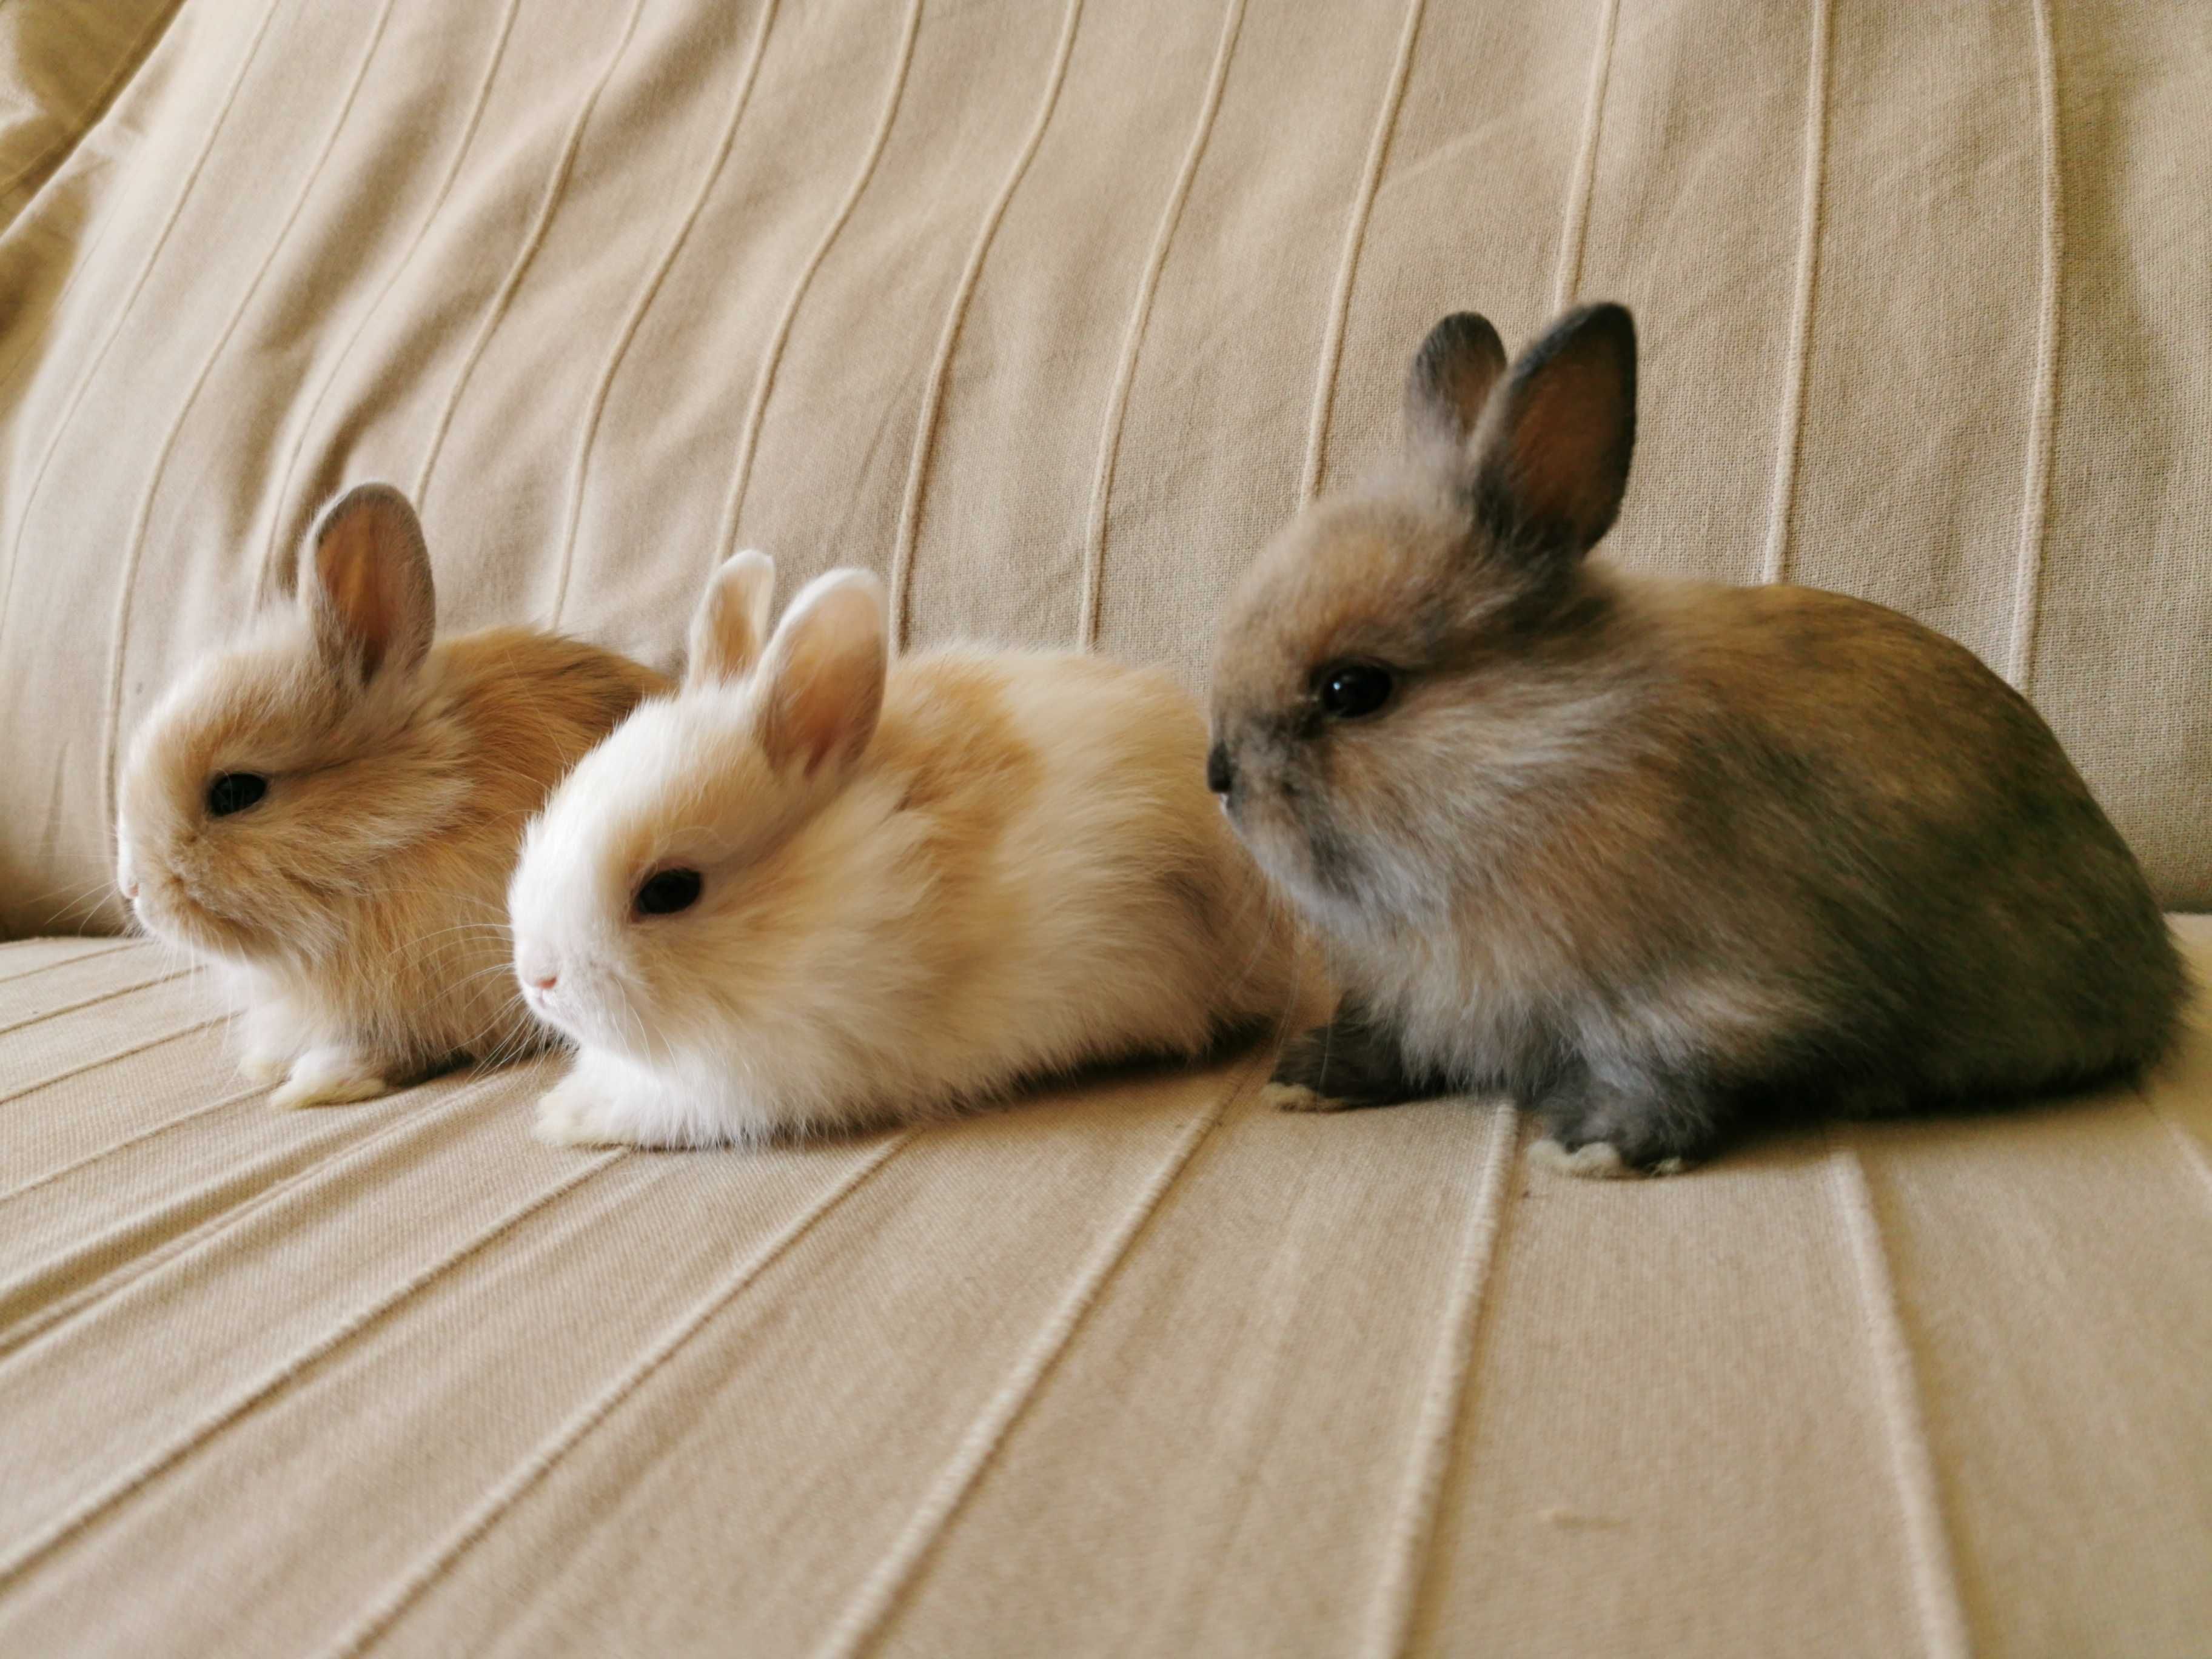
(1134, 1368)
(1051, 313)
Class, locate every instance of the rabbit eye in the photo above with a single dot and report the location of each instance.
(1349, 690)
(233, 792)
(666, 892)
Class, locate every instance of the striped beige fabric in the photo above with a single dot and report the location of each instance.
(1050, 312)
(1137, 1369)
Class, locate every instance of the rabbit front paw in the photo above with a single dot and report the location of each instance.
(1351, 1061)
(1297, 1097)
(576, 1112)
(1605, 1132)
(330, 1077)
(264, 1066)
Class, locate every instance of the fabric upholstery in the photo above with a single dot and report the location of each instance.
(1050, 313)
(1136, 1369)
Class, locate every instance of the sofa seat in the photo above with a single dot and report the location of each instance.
(1137, 1368)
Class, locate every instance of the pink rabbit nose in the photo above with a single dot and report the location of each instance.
(131, 890)
(536, 972)
(545, 981)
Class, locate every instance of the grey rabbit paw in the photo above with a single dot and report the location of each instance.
(1597, 1160)
(1297, 1097)
(1605, 1132)
(1346, 1063)
(1300, 1064)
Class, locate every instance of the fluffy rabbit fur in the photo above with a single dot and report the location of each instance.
(808, 894)
(328, 811)
(1655, 857)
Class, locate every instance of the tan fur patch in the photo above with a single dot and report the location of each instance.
(947, 733)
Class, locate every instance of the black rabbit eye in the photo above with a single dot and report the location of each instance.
(667, 891)
(233, 792)
(1347, 690)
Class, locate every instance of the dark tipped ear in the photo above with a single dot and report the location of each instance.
(731, 625)
(365, 584)
(1451, 380)
(1553, 449)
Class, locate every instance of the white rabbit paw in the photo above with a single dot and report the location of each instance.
(574, 1112)
(264, 1066)
(330, 1077)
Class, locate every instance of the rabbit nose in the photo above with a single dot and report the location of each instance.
(537, 973)
(131, 890)
(1220, 774)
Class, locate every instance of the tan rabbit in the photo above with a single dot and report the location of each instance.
(1658, 859)
(816, 891)
(328, 811)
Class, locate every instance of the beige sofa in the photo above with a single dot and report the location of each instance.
(1050, 312)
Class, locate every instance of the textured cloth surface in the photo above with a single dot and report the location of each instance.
(1051, 311)
(1136, 1369)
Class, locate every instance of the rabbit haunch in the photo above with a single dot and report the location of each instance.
(813, 892)
(1656, 858)
(328, 812)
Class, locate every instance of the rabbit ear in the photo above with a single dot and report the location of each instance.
(1450, 379)
(1551, 451)
(820, 682)
(366, 585)
(731, 624)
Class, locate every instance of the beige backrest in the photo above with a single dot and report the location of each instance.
(1050, 312)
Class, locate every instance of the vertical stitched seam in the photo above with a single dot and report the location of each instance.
(142, 525)
(109, 1060)
(33, 337)
(1102, 485)
(877, 1598)
(123, 311)
(1414, 1529)
(2191, 1149)
(1913, 1464)
(1582, 183)
(925, 433)
(391, 281)
(1347, 270)
(556, 185)
(627, 336)
(756, 413)
(2034, 508)
(1789, 429)
(389, 1607)
(273, 1382)
(75, 129)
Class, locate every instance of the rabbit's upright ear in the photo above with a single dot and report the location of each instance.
(1450, 380)
(364, 585)
(821, 681)
(1551, 451)
(731, 624)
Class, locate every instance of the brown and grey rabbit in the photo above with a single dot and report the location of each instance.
(1660, 859)
(329, 811)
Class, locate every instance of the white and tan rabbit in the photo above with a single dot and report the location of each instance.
(1659, 860)
(811, 893)
(328, 811)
